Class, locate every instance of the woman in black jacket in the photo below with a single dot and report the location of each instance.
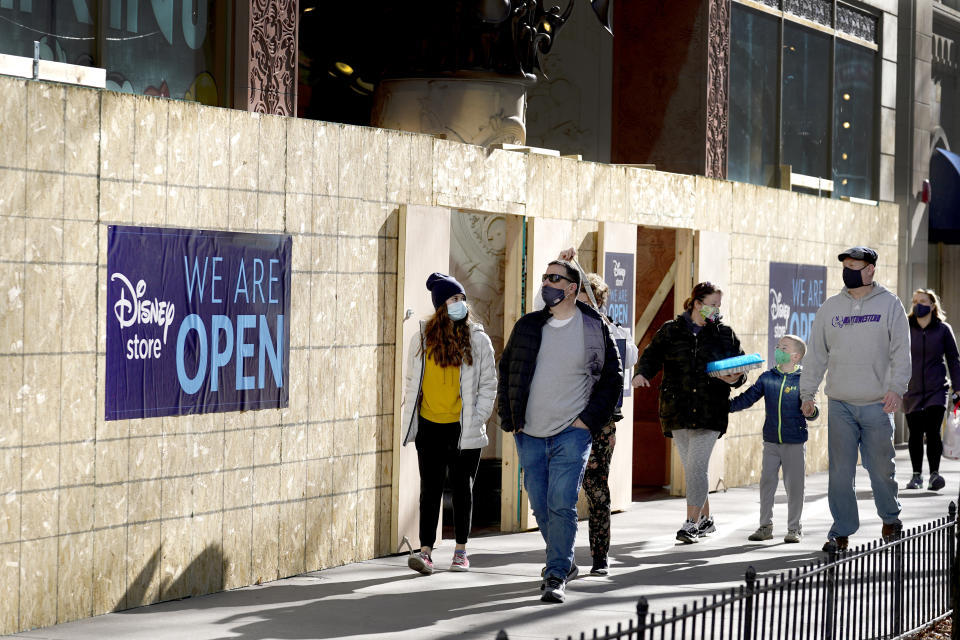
(933, 349)
(693, 406)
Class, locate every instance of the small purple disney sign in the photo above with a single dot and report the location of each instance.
(197, 321)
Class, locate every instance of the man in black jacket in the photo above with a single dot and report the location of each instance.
(560, 378)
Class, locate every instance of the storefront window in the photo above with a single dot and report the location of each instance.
(65, 30)
(806, 101)
(754, 72)
(853, 122)
(162, 48)
(827, 85)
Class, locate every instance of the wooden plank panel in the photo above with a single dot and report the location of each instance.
(656, 249)
(423, 247)
(686, 271)
(713, 264)
(621, 238)
(511, 494)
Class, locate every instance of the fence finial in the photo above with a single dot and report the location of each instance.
(952, 511)
(502, 635)
(750, 576)
(643, 607)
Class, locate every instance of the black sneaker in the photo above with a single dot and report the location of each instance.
(553, 589)
(936, 481)
(840, 543)
(689, 532)
(600, 567)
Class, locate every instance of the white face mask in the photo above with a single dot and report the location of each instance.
(457, 310)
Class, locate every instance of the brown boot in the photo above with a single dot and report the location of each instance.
(891, 532)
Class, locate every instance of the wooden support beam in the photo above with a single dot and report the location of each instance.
(653, 306)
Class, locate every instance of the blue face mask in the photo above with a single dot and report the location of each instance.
(457, 310)
(552, 297)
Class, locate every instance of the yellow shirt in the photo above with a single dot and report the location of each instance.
(441, 401)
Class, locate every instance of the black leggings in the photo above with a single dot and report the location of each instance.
(925, 422)
(437, 451)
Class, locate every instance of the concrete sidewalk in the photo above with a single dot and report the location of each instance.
(382, 598)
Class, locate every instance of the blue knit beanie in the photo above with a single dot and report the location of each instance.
(442, 287)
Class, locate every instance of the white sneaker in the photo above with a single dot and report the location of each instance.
(705, 526)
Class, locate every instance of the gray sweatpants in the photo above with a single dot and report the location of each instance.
(695, 447)
(790, 457)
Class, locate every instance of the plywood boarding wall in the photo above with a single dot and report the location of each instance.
(98, 515)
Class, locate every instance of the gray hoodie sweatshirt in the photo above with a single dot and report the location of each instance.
(863, 345)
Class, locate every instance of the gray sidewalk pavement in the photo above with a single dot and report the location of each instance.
(382, 598)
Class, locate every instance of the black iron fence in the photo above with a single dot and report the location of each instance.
(878, 590)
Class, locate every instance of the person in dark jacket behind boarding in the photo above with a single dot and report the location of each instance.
(784, 436)
(933, 350)
(560, 379)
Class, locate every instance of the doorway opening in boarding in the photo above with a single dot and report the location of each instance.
(478, 244)
(657, 262)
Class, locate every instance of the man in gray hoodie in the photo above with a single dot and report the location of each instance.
(861, 339)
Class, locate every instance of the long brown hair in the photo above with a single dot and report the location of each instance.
(700, 291)
(448, 342)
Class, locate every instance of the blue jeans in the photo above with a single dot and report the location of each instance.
(552, 472)
(868, 428)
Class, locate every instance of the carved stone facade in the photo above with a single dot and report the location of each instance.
(857, 23)
(718, 86)
(272, 63)
(819, 11)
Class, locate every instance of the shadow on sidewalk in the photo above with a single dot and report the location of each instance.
(687, 565)
(336, 608)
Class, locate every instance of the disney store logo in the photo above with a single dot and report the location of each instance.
(136, 309)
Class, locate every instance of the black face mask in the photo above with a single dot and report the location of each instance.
(552, 297)
(853, 278)
(921, 310)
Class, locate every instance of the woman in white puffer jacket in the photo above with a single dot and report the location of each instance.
(449, 391)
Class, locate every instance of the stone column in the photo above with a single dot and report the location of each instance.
(265, 77)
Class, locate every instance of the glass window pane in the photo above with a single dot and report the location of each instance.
(806, 100)
(64, 29)
(754, 38)
(854, 142)
(162, 49)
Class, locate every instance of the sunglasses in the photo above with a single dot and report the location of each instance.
(554, 278)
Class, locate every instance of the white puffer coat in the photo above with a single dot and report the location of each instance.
(478, 389)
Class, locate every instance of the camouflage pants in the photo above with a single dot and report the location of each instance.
(597, 489)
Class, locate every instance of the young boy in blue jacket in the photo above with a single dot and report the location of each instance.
(784, 436)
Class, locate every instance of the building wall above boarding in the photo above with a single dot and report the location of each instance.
(784, 93)
(216, 52)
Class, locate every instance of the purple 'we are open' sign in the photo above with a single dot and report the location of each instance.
(197, 321)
